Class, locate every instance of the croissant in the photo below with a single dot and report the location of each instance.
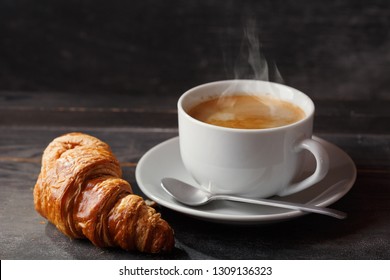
(80, 191)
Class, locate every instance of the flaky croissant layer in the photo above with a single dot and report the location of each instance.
(80, 191)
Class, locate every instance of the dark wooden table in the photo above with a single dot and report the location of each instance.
(115, 70)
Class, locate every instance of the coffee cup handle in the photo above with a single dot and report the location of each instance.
(322, 161)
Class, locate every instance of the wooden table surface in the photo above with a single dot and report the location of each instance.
(115, 71)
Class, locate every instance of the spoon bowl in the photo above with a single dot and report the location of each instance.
(193, 196)
(185, 193)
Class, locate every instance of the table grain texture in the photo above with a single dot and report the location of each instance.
(115, 69)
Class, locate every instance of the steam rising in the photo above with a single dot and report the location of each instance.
(251, 62)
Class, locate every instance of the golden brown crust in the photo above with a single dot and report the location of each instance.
(80, 190)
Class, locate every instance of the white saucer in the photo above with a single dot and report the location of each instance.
(164, 161)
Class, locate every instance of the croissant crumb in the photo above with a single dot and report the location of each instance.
(80, 191)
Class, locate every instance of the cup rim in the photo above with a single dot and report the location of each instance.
(244, 130)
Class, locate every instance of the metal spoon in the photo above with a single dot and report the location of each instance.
(190, 195)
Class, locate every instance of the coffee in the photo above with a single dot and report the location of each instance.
(247, 112)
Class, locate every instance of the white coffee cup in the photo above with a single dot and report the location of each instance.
(249, 162)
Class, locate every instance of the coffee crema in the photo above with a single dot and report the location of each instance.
(247, 112)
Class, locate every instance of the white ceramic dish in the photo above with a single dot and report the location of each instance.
(164, 161)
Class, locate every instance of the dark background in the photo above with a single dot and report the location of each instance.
(328, 49)
(114, 69)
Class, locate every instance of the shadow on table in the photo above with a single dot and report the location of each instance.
(308, 237)
(65, 248)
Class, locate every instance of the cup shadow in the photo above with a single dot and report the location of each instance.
(310, 236)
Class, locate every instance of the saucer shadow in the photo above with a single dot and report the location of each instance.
(310, 236)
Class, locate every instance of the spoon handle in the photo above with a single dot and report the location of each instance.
(284, 204)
